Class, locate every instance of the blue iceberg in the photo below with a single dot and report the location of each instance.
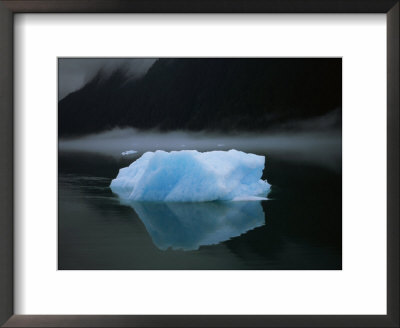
(187, 226)
(192, 176)
(128, 152)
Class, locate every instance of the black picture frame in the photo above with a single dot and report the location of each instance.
(10, 7)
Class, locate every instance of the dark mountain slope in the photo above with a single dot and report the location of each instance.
(213, 94)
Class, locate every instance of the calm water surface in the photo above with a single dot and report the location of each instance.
(298, 228)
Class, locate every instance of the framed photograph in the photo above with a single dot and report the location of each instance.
(199, 164)
(205, 184)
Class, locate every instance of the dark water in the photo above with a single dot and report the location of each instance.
(299, 228)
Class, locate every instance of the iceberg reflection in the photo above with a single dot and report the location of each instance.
(187, 226)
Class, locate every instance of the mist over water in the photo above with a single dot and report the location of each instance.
(321, 148)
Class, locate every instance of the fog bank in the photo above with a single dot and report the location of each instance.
(323, 148)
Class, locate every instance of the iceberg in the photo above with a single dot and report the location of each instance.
(188, 226)
(192, 176)
(128, 152)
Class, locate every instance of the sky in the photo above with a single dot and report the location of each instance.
(75, 72)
